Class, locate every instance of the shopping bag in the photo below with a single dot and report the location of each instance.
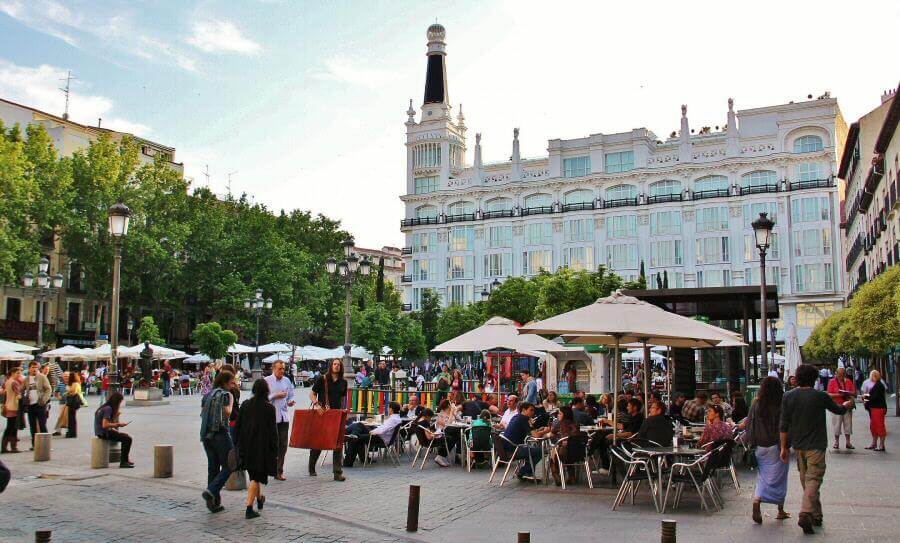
(316, 430)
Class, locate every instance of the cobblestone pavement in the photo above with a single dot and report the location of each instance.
(860, 498)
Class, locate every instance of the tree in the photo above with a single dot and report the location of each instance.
(149, 331)
(874, 316)
(514, 299)
(410, 343)
(459, 319)
(379, 284)
(212, 340)
(428, 314)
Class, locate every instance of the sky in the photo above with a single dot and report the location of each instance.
(303, 103)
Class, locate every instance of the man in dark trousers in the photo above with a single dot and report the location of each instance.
(332, 387)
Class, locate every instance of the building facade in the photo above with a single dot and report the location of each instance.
(70, 316)
(680, 208)
(869, 166)
(393, 263)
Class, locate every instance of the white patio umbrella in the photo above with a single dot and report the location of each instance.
(238, 348)
(104, 351)
(15, 356)
(6, 346)
(67, 352)
(793, 359)
(159, 352)
(276, 347)
(198, 358)
(277, 357)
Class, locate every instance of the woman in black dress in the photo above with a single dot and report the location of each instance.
(257, 443)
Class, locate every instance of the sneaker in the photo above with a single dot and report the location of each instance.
(441, 461)
(217, 509)
(210, 501)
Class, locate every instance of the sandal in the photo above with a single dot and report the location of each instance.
(782, 515)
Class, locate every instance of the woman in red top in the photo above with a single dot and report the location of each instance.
(716, 427)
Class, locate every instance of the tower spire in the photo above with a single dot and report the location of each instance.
(436, 74)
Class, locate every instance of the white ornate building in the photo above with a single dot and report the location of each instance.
(681, 207)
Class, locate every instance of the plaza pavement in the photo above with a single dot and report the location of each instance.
(860, 498)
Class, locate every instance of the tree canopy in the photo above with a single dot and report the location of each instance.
(213, 340)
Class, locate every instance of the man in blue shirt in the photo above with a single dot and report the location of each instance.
(518, 429)
(281, 394)
(529, 388)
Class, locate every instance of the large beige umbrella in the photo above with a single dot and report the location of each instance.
(66, 352)
(6, 346)
(159, 352)
(15, 356)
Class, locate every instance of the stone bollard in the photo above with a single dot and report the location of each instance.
(99, 453)
(115, 452)
(237, 480)
(163, 461)
(42, 443)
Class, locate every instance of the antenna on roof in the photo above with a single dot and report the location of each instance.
(206, 175)
(65, 90)
(229, 181)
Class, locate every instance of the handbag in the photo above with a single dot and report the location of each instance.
(73, 401)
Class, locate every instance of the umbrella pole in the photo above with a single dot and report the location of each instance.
(616, 381)
(646, 377)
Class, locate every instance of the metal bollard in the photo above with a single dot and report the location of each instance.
(668, 531)
(524, 537)
(412, 512)
(42, 536)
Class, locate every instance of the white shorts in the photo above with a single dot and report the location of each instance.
(843, 424)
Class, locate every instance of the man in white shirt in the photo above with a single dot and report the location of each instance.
(364, 436)
(281, 394)
(512, 404)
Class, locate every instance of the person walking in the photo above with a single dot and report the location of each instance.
(762, 430)
(258, 442)
(841, 388)
(106, 426)
(166, 377)
(38, 392)
(13, 391)
(73, 404)
(529, 387)
(281, 394)
(802, 427)
(877, 402)
(206, 381)
(329, 392)
(214, 413)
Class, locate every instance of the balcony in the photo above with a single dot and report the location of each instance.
(620, 202)
(581, 206)
(714, 193)
(498, 214)
(541, 210)
(854, 251)
(461, 217)
(406, 278)
(662, 198)
(418, 221)
(13, 330)
(812, 184)
(406, 251)
(759, 189)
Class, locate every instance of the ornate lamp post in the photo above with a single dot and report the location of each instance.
(119, 217)
(44, 287)
(256, 305)
(348, 271)
(762, 229)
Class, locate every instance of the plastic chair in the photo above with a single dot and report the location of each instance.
(502, 455)
(576, 455)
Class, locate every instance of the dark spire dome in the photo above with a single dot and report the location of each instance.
(436, 74)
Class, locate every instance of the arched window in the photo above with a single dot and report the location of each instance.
(759, 178)
(460, 208)
(538, 200)
(621, 192)
(665, 187)
(498, 204)
(582, 196)
(711, 183)
(807, 144)
(426, 212)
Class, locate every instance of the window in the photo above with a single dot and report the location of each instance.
(809, 209)
(622, 256)
(752, 211)
(711, 182)
(461, 294)
(499, 236)
(540, 233)
(807, 144)
(416, 301)
(427, 155)
(533, 262)
(424, 185)
(460, 267)
(714, 278)
(426, 212)
(760, 178)
(424, 242)
(621, 226)
(810, 171)
(578, 166)
(619, 162)
(460, 208)
(538, 200)
(712, 250)
(810, 315)
(675, 279)
(498, 265)
(621, 192)
(712, 219)
(665, 253)
(498, 204)
(665, 187)
(773, 276)
(751, 252)
(73, 320)
(423, 270)
(578, 258)
(461, 238)
(663, 223)
(812, 242)
(13, 309)
(579, 230)
(812, 278)
(579, 197)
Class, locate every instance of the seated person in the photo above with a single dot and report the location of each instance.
(676, 405)
(512, 404)
(357, 447)
(473, 408)
(627, 424)
(716, 428)
(581, 417)
(695, 410)
(106, 426)
(456, 401)
(563, 427)
(518, 429)
(446, 417)
(551, 404)
(435, 439)
(716, 399)
(591, 407)
(657, 427)
(481, 437)
(412, 409)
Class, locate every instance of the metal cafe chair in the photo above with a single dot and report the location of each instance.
(388, 449)
(637, 470)
(427, 445)
(576, 456)
(476, 437)
(699, 474)
(502, 455)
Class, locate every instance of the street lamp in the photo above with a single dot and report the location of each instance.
(119, 217)
(256, 305)
(44, 287)
(762, 229)
(347, 271)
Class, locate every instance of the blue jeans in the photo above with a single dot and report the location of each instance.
(531, 454)
(217, 449)
(167, 388)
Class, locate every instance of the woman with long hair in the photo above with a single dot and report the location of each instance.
(106, 426)
(13, 391)
(565, 426)
(877, 411)
(329, 392)
(73, 403)
(257, 444)
(762, 429)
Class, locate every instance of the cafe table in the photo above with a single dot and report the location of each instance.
(463, 446)
(546, 444)
(660, 453)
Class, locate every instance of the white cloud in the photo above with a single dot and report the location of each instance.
(39, 88)
(347, 70)
(213, 36)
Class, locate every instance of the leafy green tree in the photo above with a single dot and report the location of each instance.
(149, 331)
(379, 285)
(459, 319)
(410, 343)
(874, 316)
(213, 340)
(514, 299)
(428, 315)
